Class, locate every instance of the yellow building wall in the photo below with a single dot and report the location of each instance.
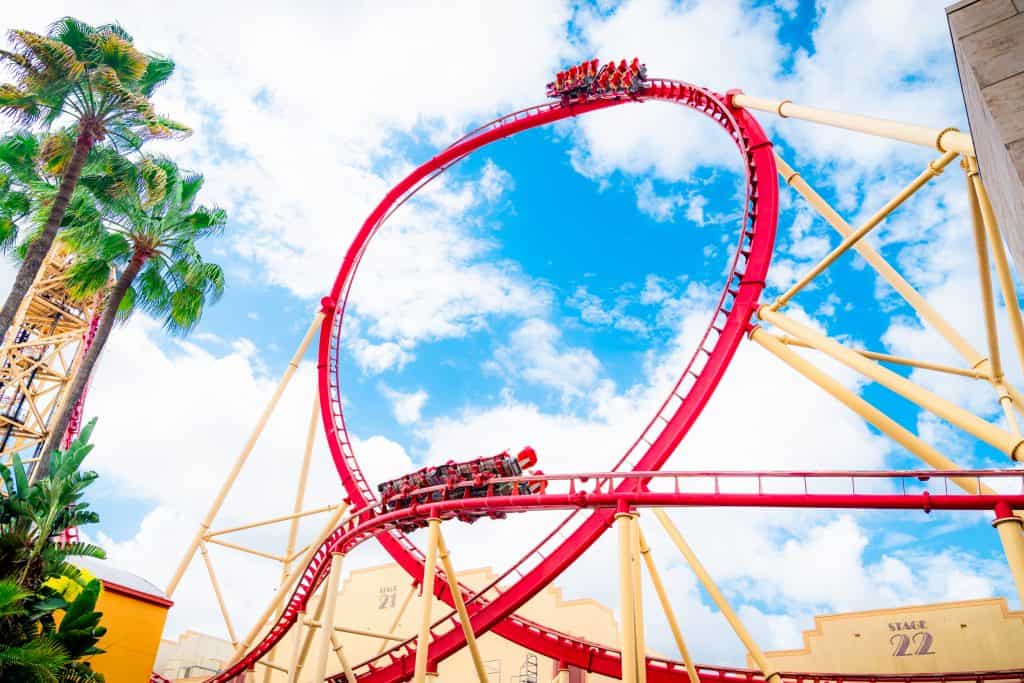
(133, 633)
(970, 635)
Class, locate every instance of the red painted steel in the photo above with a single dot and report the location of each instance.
(744, 282)
(375, 522)
(730, 321)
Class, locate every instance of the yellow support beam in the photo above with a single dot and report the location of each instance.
(925, 311)
(460, 607)
(947, 410)
(398, 617)
(666, 606)
(423, 639)
(638, 598)
(898, 360)
(933, 169)
(885, 424)
(770, 674)
(627, 607)
(945, 140)
(327, 623)
(995, 244)
(243, 456)
(1011, 535)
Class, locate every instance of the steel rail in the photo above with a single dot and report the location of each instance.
(371, 523)
(744, 282)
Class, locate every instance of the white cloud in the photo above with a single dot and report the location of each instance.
(695, 208)
(660, 207)
(536, 353)
(594, 311)
(434, 273)
(905, 76)
(406, 406)
(654, 290)
(680, 40)
(376, 358)
(172, 421)
(299, 162)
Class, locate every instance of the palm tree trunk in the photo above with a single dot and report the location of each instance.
(60, 420)
(38, 250)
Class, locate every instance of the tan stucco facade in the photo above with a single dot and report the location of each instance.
(370, 599)
(192, 656)
(970, 635)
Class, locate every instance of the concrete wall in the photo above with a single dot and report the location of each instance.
(988, 38)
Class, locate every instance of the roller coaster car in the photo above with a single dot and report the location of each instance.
(590, 79)
(460, 480)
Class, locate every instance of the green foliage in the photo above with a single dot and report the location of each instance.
(157, 226)
(29, 167)
(94, 74)
(45, 633)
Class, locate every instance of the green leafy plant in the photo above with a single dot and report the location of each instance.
(46, 632)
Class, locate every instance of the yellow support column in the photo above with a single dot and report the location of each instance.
(984, 274)
(626, 607)
(870, 413)
(293, 527)
(995, 243)
(398, 616)
(666, 606)
(770, 675)
(285, 591)
(1011, 534)
(460, 607)
(563, 673)
(638, 598)
(327, 622)
(296, 663)
(346, 668)
(423, 640)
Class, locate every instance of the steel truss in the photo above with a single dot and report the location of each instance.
(48, 336)
(599, 501)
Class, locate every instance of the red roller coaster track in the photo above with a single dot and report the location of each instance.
(636, 472)
(605, 491)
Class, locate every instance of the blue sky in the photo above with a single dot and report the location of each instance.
(546, 290)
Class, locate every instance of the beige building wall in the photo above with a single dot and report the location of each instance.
(972, 635)
(370, 600)
(193, 656)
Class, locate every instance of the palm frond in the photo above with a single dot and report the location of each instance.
(77, 35)
(158, 70)
(87, 276)
(121, 56)
(43, 657)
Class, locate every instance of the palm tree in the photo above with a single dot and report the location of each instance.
(151, 242)
(95, 76)
(30, 168)
(18, 155)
